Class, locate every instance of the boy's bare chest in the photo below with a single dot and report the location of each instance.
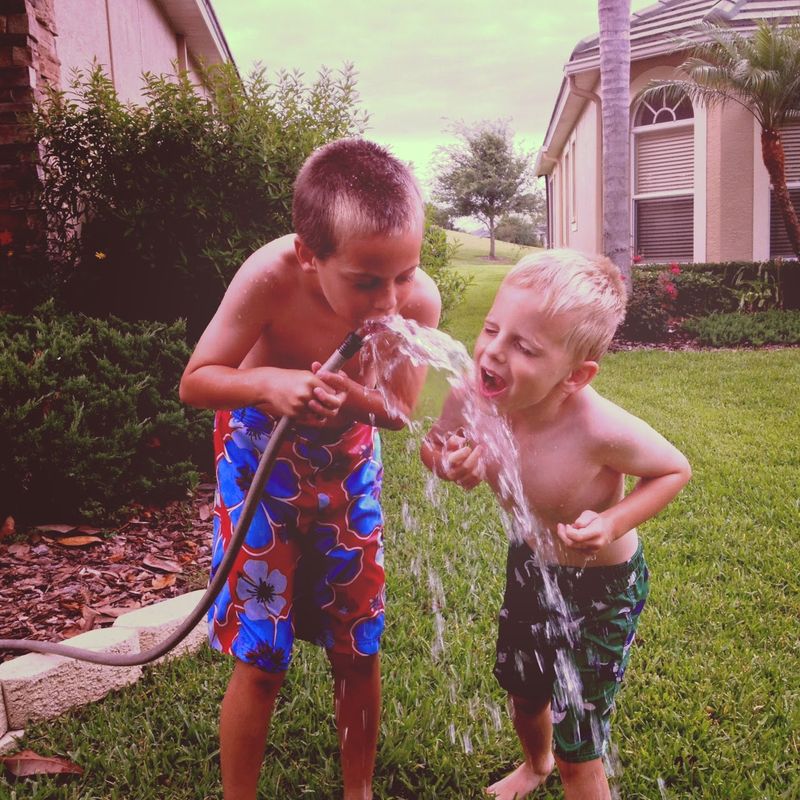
(295, 340)
(561, 477)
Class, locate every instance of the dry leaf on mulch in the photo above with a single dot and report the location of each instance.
(27, 763)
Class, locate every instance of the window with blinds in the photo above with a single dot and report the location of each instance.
(664, 228)
(778, 238)
(665, 161)
(663, 180)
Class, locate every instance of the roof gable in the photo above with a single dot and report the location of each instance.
(654, 29)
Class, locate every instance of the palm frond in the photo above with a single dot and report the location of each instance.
(760, 72)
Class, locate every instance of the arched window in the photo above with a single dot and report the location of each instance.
(663, 179)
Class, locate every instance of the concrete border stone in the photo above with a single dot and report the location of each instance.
(8, 742)
(154, 623)
(37, 686)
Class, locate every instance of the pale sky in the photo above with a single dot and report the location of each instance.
(422, 65)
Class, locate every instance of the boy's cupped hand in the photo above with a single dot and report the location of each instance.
(461, 462)
(590, 532)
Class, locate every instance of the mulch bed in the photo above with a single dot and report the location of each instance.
(57, 581)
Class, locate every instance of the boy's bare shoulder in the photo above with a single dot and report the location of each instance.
(606, 424)
(425, 304)
(273, 263)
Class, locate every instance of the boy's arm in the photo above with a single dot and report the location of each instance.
(212, 378)
(632, 448)
(368, 405)
(446, 452)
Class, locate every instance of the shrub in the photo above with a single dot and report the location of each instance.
(154, 208)
(663, 294)
(649, 307)
(759, 328)
(435, 259)
(90, 418)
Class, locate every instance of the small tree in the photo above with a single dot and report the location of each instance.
(483, 175)
(761, 73)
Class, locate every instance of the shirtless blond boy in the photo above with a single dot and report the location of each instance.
(552, 319)
(312, 563)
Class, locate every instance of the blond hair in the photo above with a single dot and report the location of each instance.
(353, 188)
(588, 288)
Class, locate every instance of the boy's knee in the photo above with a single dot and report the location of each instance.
(349, 664)
(571, 771)
(257, 678)
(530, 706)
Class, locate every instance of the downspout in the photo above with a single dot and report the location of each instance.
(595, 98)
(540, 159)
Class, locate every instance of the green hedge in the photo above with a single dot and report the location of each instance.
(90, 418)
(759, 328)
(665, 293)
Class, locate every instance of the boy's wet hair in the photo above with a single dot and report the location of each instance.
(353, 188)
(588, 288)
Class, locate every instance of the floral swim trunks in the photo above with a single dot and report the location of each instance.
(312, 562)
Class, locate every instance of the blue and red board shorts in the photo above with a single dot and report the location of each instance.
(312, 561)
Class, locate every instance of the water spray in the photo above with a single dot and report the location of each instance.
(346, 350)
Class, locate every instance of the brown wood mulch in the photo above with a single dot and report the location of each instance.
(57, 581)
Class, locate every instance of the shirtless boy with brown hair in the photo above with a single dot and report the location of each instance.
(536, 356)
(312, 562)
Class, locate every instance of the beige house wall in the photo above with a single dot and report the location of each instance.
(730, 184)
(127, 38)
(577, 221)
(586, 234)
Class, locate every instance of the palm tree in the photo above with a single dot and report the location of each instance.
(759, 72)
(615, 81)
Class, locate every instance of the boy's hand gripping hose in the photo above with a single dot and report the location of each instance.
(346, 350)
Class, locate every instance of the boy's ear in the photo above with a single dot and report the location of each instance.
(582, 375)
(305, 255)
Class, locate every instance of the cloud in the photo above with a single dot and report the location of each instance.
(422, 64)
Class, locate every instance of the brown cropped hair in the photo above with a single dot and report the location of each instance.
(353, 188)
(587, 287)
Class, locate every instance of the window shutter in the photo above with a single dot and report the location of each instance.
(790, 136)
(778, 238)
(665, 161)
(665, 229)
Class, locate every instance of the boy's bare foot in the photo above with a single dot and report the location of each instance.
(519, 783)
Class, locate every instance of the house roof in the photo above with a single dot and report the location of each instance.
(654, 29)
(196, 20)
(654, 32)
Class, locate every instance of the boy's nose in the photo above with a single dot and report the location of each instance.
(495, 349)
(387, 301)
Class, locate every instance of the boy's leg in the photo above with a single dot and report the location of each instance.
(357, 697)
(535, 731)
(584, 780)
(243, 727)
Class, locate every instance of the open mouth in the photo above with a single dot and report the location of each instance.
(491, 384)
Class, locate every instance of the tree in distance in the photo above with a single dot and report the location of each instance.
(484, 175)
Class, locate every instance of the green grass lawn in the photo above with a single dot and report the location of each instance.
(474, 250)
(711, 707)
